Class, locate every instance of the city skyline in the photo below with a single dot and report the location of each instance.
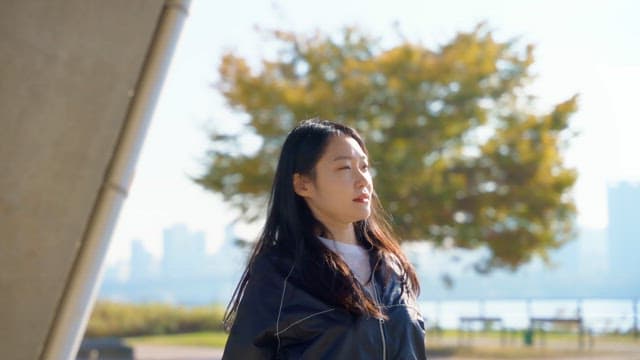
(186, 273)
(212, 277)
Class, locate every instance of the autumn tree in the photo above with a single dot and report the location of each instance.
(461, 154)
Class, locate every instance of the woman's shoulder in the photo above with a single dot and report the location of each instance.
(270, 262)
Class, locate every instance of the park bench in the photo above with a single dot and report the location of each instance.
(536, 323)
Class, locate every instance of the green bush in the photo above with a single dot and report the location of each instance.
(125, 319)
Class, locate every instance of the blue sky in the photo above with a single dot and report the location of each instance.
(586, 47)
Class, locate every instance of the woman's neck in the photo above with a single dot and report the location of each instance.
(344, 234)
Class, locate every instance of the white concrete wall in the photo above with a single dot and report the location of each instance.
(67, 74)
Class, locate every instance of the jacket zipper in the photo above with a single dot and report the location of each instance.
(380, 321)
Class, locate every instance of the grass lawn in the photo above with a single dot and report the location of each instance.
(215, 339)
(512, 352)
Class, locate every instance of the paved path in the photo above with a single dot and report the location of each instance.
(161, 352)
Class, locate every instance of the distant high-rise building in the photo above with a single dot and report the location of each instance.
(142, 264)
(594, 252)
(184, 252)
(230, 257)
(624, 231)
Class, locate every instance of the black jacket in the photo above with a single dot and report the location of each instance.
(278, 319)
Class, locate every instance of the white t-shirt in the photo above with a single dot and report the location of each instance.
(356, 257)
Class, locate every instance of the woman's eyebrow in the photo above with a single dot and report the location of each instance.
(347, 157)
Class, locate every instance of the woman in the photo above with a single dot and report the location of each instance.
(326, 279)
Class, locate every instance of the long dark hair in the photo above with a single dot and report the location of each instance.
(290, 230)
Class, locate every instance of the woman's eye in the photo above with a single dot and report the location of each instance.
(345, 168)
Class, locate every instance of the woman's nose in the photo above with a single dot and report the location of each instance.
(362, 179)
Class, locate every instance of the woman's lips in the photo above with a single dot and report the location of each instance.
(362, 199)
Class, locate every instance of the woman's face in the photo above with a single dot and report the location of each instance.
(341, 191)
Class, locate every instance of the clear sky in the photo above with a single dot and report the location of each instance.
(585, 47)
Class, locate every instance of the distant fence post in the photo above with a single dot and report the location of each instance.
(635, 318)
(580, 324)
(438, 317)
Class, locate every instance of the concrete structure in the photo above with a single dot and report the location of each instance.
(78, 83)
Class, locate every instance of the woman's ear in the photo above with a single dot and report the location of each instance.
(301, 185)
